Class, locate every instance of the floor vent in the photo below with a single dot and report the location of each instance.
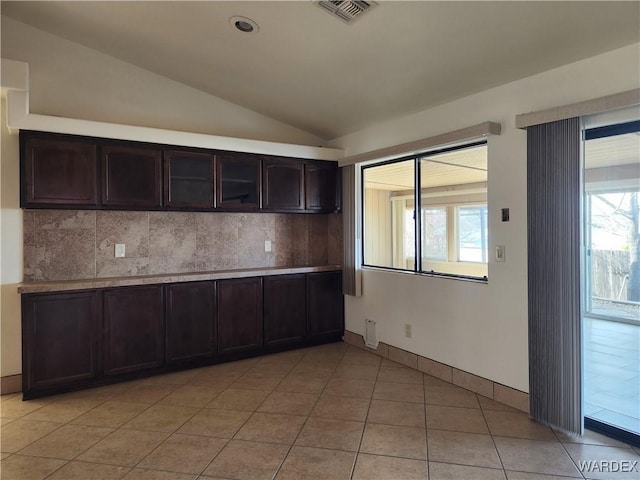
(370, 338)
(348, 10)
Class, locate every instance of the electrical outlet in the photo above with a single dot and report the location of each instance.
(267, 245)
(500, 253)
(120, 250)
(407, 330)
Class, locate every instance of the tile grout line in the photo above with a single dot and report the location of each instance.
(77, 461)
(227, 440)
(149, 406)
(67, 461)
(493, 440)
(426, 427)
(364, 428)
(256, 410)
(250, 416)
(123, 426)
(270, 443)
(67, 423)
(555, 434)
(308, 416)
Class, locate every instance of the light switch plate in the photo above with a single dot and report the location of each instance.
(267, 245)
(120, 250)
(500, 253)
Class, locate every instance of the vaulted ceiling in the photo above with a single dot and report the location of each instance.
(309, 69)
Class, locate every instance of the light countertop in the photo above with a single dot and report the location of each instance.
(69, 285)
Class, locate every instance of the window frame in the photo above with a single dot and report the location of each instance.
(417, 198)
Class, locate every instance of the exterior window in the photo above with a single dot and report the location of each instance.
(472, 233)
(434, 234)
(389, 226)
(438, 225)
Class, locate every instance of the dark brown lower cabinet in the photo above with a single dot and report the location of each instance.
(325, 306)
(79, 339)
(239, 315)
(60, 339)
(191, 325)
(285, 311)
(133, 329)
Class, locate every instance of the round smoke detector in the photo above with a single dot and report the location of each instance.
(244, 24)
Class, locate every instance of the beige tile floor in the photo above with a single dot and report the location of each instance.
(327, 412)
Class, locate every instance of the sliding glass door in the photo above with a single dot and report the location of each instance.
(611, 280)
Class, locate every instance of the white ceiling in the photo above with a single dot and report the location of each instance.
(459, 167)
(312, 71)
(612, 151)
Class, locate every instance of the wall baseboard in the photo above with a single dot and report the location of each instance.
(11, 384)
(480, 385)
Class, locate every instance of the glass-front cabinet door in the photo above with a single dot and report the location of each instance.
(239, 182)
(188, 179)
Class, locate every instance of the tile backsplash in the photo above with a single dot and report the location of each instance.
(79, 244)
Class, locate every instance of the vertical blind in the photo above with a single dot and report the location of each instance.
(554, 219)
(350, 283)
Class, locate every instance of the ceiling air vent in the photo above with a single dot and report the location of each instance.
(348, 10)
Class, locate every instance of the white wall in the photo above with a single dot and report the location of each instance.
(10, 251)
(70, 80)
(480, 328)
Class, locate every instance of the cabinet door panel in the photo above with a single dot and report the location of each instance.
(238, 181)
(321, 187)
(60, 339)
(190, 321)
(239, 315)
(325, 305)
(188, 179)
(58, 172)
(132, 177)
(133, 329)
(285, 321)
(283, 184)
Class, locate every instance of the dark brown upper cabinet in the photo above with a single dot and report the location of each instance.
(238, 181)
(188, 180)
(60, 339)
(322, 182)
(69, 171)
(131, 177)
(283, 184)
(58, 173)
